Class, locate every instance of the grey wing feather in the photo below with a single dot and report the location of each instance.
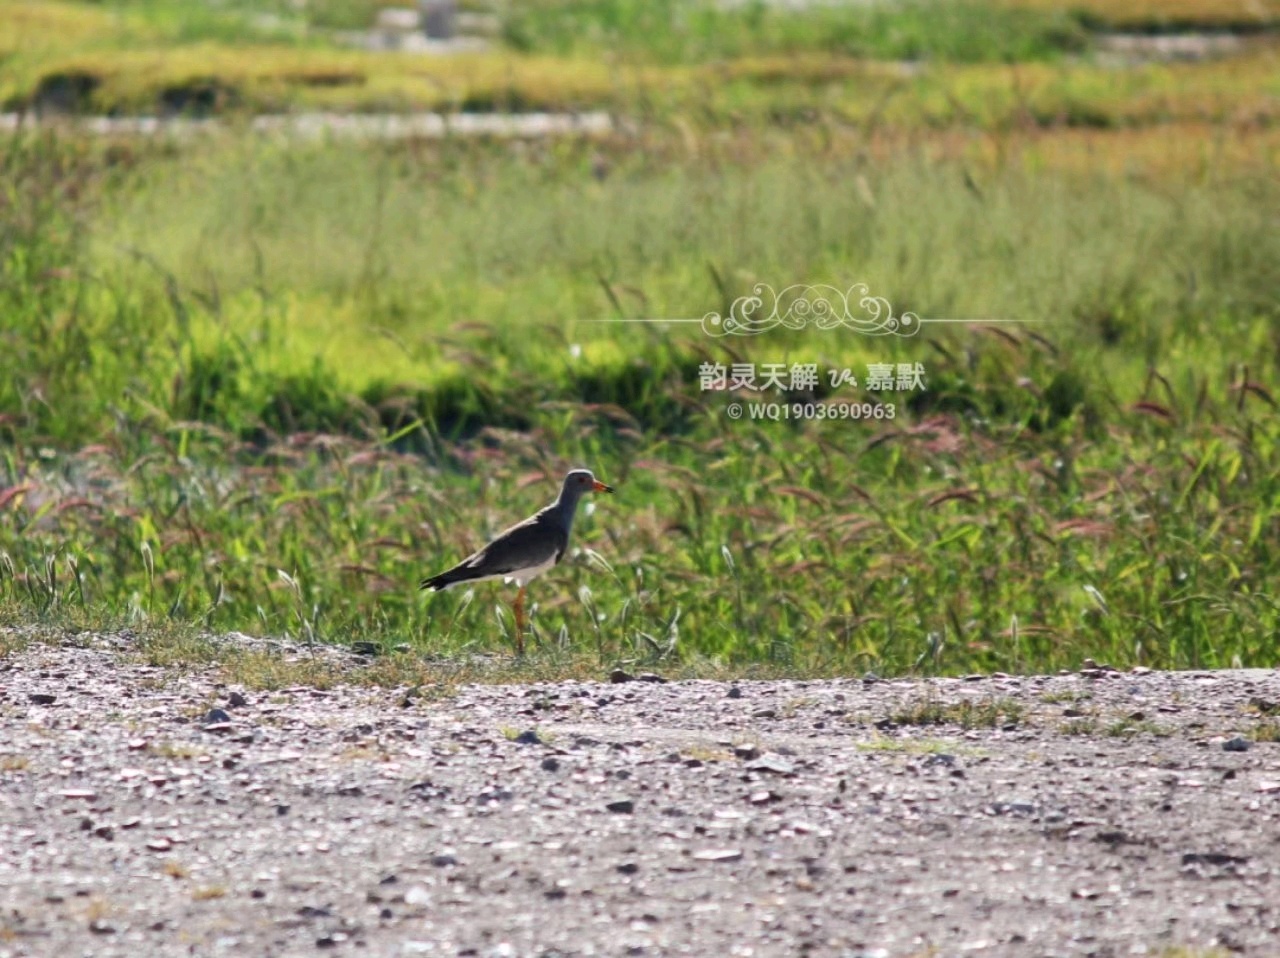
(525, 544)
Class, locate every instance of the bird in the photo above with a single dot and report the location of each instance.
(526, 549)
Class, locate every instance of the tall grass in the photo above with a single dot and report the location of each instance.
(267, 389)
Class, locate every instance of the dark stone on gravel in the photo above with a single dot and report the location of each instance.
(623, 806)
(1012, 808)
(366, 650)
(42, 698)
(530, 737)
(236, 700)
(746, 752)
(443, 861)
(551, 764)
(652, 677)
(734, 692)
(1236, 744)
(617, 677)
(216, 717)
(1212, 858)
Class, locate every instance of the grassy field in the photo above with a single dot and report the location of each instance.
(262, 385)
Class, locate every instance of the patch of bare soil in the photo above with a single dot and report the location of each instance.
(1095, 813)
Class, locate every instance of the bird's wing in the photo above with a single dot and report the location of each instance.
(534, 542)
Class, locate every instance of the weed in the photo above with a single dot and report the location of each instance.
(966, 713)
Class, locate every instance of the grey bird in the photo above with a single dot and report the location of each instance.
(525, 550)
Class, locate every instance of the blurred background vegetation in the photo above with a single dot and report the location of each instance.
(264, 378)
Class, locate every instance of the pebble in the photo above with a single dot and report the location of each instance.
(773, 764)
(718, 855)
(42, 698)
(622, 806)
(1237, 744)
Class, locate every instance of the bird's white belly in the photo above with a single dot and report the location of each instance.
(524, 576)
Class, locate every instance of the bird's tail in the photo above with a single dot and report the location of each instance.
(442, 581)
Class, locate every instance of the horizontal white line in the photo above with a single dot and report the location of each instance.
(922, 321)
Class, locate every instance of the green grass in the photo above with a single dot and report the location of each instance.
(187, 326)
(971, 64)
(266, 386)
(678, 31)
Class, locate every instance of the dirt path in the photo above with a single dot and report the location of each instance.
(1089, 814)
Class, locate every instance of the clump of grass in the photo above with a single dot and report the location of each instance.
(1079, 726)
(966, 713)
(1265, 732)
(1126, 727)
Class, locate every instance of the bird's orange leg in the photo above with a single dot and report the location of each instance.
(519, 611)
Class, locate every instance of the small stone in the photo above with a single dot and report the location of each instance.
(417, 896)
(444, 860)
(42, 698)
(734, 692)
(1237, 744)
(1012, 808)
(627, 868)
(618, 676)
(746, 752)
(105, 831)
(159, 845)
(551, 764)
(718, 855)
(216, 716)
(237, 700)
(366, 650)
(622, 806)
(653, 677)
(528, 738)
(773, 764)
(100, 927)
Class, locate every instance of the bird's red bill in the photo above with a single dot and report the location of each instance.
(601, 487)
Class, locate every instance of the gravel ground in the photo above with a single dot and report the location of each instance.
(1092, 813)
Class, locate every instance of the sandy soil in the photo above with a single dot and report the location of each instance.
(1103, 813)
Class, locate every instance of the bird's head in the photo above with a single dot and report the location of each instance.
(582, 480)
